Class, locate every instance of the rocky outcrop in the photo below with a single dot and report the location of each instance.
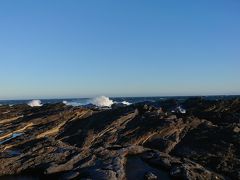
(142, 141)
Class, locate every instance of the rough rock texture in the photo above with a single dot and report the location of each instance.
(141, 141)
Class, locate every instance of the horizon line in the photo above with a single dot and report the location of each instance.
(61, 98)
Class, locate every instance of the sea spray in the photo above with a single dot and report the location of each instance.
(35, 103)
(101, 101)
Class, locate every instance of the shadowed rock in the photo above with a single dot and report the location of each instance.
(140, 141)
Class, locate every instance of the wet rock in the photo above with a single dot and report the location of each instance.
(139, 141)
(236, 129)
(176, 171)
(150, 176)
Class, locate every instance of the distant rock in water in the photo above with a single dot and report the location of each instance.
(120, 104)
(171, 139)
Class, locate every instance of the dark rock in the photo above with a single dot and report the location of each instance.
(140, 141)
(118, 105)
(70, 175)
(150, 176)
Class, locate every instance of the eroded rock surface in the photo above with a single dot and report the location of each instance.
(142, 141)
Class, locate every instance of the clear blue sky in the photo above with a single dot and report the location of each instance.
(84, 48)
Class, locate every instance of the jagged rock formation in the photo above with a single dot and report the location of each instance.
(140, 141)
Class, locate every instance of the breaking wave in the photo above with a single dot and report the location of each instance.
(102, 101)
(35, 103)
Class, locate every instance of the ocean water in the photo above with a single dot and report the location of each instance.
(103, 101)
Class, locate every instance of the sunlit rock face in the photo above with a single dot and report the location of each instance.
(195, 139)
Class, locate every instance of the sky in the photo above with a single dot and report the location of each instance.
(62, 48)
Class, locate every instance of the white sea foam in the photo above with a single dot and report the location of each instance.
(73, 103)
(102, 101)
(65, 102)
(35, 103)
(183, 111)
(179, 109)
(126, 103)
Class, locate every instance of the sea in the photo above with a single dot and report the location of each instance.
(106, 101)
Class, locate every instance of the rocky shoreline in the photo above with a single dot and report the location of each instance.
(141, 141)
